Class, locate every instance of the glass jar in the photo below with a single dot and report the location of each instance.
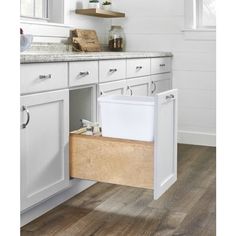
(116, 38)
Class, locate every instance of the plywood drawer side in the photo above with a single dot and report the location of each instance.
(138, 67)
(37, 77)
(83, 73)
(110, 160)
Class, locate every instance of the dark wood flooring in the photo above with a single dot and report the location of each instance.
(187, 208)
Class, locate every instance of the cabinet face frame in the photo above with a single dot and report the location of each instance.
(29, 197)
(94, 94)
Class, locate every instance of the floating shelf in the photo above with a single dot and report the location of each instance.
(97, 12)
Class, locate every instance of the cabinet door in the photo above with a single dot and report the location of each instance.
(113, 88)
(160, 83)
(138, 86)
(44, 146)
(165, 141)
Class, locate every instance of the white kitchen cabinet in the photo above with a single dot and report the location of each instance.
(138, 86)
(160, 83)
(113, 88)
(44, 146)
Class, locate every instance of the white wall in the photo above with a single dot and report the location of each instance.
(157, 25)
(58, 33)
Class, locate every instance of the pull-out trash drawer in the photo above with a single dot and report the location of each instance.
(143, 164)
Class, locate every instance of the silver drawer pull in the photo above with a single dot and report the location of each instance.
(139, 67)
(84, 73)
(162, 65)
(131, 91)
(155, 87)
(112, 70)
(171, 96)
(24, 108)
(49, 76)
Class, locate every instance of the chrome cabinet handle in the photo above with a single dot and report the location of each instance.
(139, 67)
(131, 91)
(155, 87)
(24, 108)
(171, 96)
(112, 70)
(162, 65)
(84, 73)
(49, 76)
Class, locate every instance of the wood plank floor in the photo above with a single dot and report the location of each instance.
(187, 208)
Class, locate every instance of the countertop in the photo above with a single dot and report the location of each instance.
(40, 57)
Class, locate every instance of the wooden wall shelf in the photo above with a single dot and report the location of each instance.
(97, 12)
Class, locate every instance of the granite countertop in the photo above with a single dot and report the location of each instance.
(40, 56)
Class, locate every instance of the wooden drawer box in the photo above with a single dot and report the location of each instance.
(109, 160)
(82, 73)
(160, 65)
(39, 77)
(138, 67)
(112, 70)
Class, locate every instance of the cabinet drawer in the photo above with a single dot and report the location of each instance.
(138, 67)
(82, 73)
(110, 160)
(112, 70)
(161, 65)
(43, 76)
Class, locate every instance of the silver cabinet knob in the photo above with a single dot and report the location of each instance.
(112, 70)
(162, 65)
(49, 76)
(139, 67)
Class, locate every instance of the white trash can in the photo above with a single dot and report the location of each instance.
(127, 117)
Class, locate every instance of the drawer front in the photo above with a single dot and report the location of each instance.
(43, 76)
(138, 67)
(161, 65)
(112, 70)
(82, 73)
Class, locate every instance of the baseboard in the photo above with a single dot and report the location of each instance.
(197, 138)
(76, 187)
